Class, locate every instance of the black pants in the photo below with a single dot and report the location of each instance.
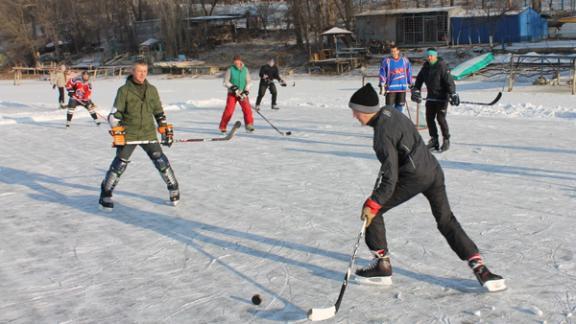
(89, 105)
(435, 192)
(61, 95)
(153, 150)
(437, 110)
(398, 99)
(264, 85)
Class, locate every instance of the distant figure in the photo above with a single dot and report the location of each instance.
(395, 78)
(269, 73)
(59, 80)
(80, 91)
(441, 90)
(237, 81)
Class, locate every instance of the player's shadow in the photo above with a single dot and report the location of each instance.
(523, 148)
(195, 234)
(468, 166)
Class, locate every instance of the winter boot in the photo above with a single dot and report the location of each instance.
(117, 167)
(379, 272)
(174, 196)
(492, 282)
(249, 128)
(105, 201)
(445, 145)
(433, 144)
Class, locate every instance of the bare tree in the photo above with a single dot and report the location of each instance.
(17, 27)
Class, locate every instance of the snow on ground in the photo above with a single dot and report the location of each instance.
(278, 216)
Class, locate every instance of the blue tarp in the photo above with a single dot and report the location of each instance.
(527, 25)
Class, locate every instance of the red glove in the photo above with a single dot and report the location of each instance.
(369, 210)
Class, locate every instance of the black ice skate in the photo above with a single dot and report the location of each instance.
(379, 272)
(105, 202)
(433, 144)
(445, 145)
(174, 196)
(275, 107)
(492, 282)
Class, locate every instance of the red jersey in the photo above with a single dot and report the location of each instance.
(82, 90)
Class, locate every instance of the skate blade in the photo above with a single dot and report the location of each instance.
(173, 203)
(377, 281)
(495, 285)
(106, 209)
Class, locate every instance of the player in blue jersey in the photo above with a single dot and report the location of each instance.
(395, 78)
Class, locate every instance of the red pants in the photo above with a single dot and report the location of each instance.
(229, 110)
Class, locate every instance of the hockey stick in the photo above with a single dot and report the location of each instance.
(228, 136)
(288, 133)
(493, 102)
(320, 314)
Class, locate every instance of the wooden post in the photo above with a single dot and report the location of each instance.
(574, 77)
(511, 74)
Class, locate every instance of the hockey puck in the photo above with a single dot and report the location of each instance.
(256, 300)
(288, 133)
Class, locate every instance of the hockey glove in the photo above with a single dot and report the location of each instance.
(233, 89)
(416, 96)
(242, 95)
(454, 99)
(71, 93)
(369, 211)
(118, 136)
(167, 134)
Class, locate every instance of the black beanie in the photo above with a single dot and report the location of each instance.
(365, 100)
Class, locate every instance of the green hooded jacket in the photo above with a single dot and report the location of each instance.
(136, 107)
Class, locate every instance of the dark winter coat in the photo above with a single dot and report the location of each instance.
(402, 153)
(270, 71)
(438, 80)
(136, 107)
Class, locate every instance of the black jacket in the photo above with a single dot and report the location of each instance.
(402, 152)
(438, 80)
(271, 71)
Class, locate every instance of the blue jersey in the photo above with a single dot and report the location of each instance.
(395, 75)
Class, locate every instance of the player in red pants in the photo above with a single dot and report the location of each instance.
(237, 80)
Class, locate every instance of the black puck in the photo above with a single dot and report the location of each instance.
(256, 300)
(288, 133)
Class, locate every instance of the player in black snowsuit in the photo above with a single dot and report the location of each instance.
(408, 169)
(441, 90)
(269, 73)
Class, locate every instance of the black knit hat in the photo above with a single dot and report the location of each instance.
(365, 100)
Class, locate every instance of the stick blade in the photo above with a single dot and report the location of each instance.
(320, 314)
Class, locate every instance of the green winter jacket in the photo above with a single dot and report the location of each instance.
(135, 106)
